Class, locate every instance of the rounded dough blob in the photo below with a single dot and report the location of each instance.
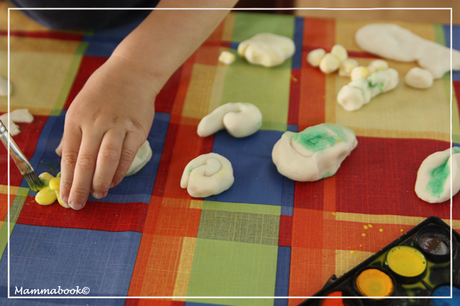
(227, 57)
(314, 56)
(394, 42)
(207, 175)
(315, 153)
(143, 155)
(239, 119)
(434, 176)
(419, 78)
(267, 49)
(329, 63)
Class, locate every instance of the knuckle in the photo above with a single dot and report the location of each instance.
(110, 153)
(69, 159)
(85, 162)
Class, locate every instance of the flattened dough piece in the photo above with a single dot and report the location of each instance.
(207, 175)
(434, 175)
(394, 42)
(315, 153)
(267, 49)
(143, 155)
(18, 115)
(239, 119)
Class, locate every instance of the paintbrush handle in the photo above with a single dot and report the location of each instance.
(17, 155)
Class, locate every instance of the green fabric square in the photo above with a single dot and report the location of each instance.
(232, 269)
(239, 226)
(250, 24)
(267, 88)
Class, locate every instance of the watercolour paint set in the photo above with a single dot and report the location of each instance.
(415, 269)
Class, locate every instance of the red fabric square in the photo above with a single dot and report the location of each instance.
(27, 141)
(379, 178)
(95, 216)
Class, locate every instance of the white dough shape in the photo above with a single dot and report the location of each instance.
(19, 115)
(379, 64)
(340, 52)
(394, 42)
(315, 153)
(207, 175)
(239, 119)
(267, 49)
(383, 81)
(329, 63)
(346, 66)
(314, 56)
(360, 91)
(227, 57)
(143, 155)
(4, 86)
(419, 78)
(434, 176)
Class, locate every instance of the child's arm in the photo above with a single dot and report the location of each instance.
(112, 115)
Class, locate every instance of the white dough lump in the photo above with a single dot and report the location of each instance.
(434, 176)
(207, 175)
(239, 118)
(360, 91)
(267, 49)
(17, 116)
(419, 78)
(394, 42)
(315, 153)
(143, 155)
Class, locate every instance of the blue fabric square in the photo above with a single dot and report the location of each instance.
(455, 44)
(282, 275)
(132, 188)
(256, 178)
(52, 258)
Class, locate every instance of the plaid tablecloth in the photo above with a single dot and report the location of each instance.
(267, 236)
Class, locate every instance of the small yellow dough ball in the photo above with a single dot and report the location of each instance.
(359, 72)
(54, 183)
(329, 63)
(340, 52)
(45, 177)
(45, 196)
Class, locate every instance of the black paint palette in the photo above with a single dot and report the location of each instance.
(415, 269)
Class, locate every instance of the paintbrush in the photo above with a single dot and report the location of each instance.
(20, 159)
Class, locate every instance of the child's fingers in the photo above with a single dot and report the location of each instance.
(84, 168)
(107, 162)
(131, 145)
(70, 145)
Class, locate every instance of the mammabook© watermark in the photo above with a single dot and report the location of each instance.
(51, 291)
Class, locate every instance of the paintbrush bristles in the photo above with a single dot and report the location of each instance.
(35, 183)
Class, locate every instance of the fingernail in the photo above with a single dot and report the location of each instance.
(76, 206)
(99, 194)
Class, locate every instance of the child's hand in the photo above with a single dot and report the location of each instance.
(104, 127)
(112, 115)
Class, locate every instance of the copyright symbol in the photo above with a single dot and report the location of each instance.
(85, 290)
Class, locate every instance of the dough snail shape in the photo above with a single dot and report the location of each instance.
(207, 175)
(434, 176)
(315, 153)
(360, 91)
(239, 119)
(267, 49)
